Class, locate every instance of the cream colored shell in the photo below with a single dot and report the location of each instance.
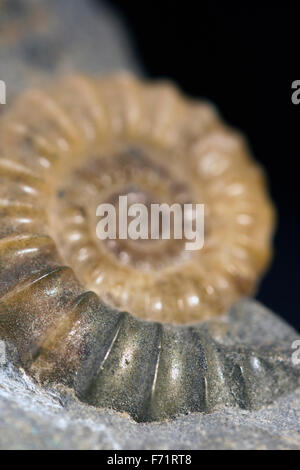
(66, 149)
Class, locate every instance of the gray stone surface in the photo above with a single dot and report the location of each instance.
(33, 418)
(39, 38)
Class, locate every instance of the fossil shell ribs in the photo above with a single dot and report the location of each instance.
(66, 149)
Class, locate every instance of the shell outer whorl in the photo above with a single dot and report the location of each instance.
(55, 162)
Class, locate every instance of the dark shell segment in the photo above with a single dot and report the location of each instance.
(154, 371)
(150, 370)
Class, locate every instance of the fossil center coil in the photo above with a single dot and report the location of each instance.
(94, 140)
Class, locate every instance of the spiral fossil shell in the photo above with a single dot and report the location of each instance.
(63, 293)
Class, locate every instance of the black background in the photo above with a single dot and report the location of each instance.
(244, 59)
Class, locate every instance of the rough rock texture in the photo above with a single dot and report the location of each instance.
(32, 418)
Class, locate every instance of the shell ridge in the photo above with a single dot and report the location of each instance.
(157, 362)
(30, 282)
(119, 325)
(216, 383)
(32, 137)
(92, 98)
(63, 325)
(104, 355)
(52, 106)
(17, 168)
(41, 99)
(21, 205)
(16, 239)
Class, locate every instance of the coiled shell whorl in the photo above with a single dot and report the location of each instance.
(63, 293)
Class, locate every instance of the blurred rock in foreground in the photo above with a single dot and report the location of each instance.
(43, 37)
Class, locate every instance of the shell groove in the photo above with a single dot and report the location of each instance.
(60, 157)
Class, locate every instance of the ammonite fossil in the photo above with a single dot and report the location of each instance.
(64, 293)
